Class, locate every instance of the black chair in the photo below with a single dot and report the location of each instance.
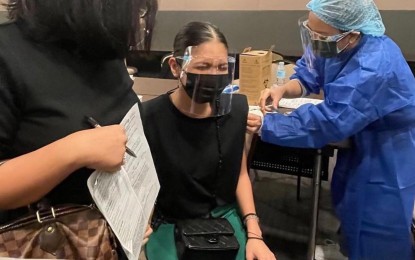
(287, 160)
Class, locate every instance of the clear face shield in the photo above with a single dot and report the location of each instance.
(317, 45)
(206, 79)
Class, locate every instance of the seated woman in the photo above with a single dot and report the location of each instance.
(196, 134)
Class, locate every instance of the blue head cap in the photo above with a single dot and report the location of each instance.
(346, 15)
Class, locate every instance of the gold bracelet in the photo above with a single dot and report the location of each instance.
(248, 214)
(251, 217)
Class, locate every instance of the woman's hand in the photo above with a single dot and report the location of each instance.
(256, 249)
(149, 231)
(273, 94)
(254, 123)
(100, 148)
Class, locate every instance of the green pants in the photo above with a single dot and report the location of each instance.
(161, 245)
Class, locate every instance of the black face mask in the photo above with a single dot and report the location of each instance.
(209, 87)
(324, 49)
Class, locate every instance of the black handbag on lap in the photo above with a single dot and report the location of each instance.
(206, 239)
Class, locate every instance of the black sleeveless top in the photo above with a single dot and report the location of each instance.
(186, 155)
(45, 94)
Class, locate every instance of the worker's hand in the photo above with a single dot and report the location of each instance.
(254, 122)
(101, 148)
(270, 97)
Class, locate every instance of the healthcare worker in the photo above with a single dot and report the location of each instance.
(369, 98)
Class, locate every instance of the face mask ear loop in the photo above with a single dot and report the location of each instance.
(348, 43)
(340, 51)
(181, 84)
(358, 35)
(178, 79)
(180, 74)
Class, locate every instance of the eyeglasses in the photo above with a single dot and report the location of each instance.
(332, 38)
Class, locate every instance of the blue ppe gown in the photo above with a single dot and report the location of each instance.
(369, 98)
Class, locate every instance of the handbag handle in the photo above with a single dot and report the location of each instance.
(44, 215)
(39, 219)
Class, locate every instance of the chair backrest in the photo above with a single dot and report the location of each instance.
(132, 71)
(276, 57)
(288, 160)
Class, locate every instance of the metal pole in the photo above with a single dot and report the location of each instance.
(315, 199)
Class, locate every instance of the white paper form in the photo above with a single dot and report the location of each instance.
(126, 198)
(295, 103)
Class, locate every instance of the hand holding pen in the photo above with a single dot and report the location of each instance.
(94, 123)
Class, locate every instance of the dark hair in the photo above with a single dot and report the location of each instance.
(97, 28)
(146, 21)
(194, 34)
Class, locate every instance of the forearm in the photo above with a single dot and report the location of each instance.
(246, 204)
(245, 198)
(293, 89)
(27, 178)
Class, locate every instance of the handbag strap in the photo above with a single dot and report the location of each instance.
(44, 215)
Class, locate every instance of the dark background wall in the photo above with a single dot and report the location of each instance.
(261, 29)
(258, 29)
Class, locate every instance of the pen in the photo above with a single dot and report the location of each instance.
(94, 123)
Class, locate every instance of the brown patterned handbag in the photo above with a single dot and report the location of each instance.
(64, 232)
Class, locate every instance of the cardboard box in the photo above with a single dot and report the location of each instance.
(254, 73)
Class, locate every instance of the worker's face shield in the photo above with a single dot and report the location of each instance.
(206, 79)
(319, 45)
